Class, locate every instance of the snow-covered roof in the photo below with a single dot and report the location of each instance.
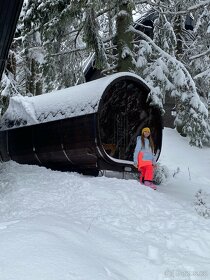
(70, 102)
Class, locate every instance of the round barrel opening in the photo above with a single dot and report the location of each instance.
(123, 112)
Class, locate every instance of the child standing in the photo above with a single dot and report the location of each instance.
(144, 158)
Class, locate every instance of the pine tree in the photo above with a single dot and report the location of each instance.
(164, 67)
(58, 36)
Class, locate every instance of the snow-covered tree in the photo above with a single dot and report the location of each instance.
(58, 36)
(53, 22)
(167, 70)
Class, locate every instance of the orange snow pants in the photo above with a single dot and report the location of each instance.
(146, 168)
(147, 173)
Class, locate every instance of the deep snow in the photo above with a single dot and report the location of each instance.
(65, 226)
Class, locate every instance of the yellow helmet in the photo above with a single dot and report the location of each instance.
(145, 129)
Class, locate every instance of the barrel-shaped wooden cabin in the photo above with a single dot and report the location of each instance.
(89, 127)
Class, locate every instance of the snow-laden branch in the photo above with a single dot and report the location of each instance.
(148, 2)
(174, 62)
(200, 55)
(163, 53)
(184, 12)
(201, 4)
(203, 74)
(142, 25)
(104, 11)
(190, 9)
(68, 52)
(80, 49)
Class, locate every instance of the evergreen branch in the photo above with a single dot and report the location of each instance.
(113, 47)
(109, 69)
(110, 38)
(114, 57)
(184, 12)
(68, 52)
(72, 32)
(200, 55)
(142, 25)
(203, 74)
(151, 3)
(106, 10)
(172, 59)
(190, 9)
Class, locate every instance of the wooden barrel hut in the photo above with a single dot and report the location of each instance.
(87, 128)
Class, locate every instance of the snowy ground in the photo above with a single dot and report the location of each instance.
(65, 226)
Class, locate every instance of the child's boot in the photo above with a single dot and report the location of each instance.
(153, 186)
(150, 185)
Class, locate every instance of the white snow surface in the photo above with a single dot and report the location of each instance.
(70, 102)
(65, 226)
